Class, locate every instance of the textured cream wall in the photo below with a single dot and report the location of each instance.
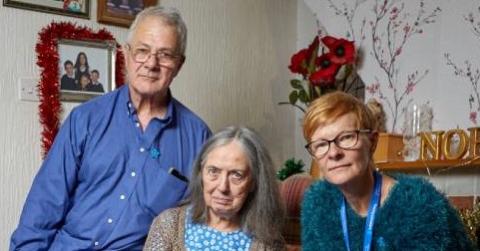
(235, 73)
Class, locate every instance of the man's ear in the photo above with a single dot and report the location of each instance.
(179, 67)
(126, 52)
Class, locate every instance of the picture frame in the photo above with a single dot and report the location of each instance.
(73, 8)
(96, 77)
(121, 12)
(48, 60)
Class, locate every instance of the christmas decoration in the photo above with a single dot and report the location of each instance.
(471, 219)
(48, 61)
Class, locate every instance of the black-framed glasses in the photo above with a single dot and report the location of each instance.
(142, 54)
(345, 140)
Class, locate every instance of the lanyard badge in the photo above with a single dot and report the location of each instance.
(372, 210)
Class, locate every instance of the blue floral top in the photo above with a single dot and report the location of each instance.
(203, 237)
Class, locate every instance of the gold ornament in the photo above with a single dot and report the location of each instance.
(438, 145)
(471, 220)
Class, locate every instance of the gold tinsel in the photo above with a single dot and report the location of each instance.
(471, 220)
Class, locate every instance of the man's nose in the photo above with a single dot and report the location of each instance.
(152, 61)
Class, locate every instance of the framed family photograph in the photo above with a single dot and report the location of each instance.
(121, 12)
(59, 46)
(86, 68)
(74, 8)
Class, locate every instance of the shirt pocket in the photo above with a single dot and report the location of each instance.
(162, 191)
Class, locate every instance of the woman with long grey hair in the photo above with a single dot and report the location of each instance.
(234, 202)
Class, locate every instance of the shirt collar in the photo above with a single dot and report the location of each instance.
(125, 99)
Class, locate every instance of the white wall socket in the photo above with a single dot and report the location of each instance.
(28, 90)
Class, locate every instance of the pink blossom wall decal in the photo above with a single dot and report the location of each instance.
(467, 71)
(392, 28)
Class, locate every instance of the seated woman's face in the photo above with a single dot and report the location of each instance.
(227, 180)
(342, 165)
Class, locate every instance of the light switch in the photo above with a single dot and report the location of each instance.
(28, 90)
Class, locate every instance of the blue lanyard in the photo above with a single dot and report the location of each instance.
(372, 209)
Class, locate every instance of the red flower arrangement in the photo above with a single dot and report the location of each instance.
(322, 73)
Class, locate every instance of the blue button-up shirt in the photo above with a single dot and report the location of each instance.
(104, 179)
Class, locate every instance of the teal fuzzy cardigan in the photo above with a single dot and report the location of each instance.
(415, 216)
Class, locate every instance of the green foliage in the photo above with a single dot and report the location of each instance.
(293, 97)
(296, 84)
(290, 167)
(303, 96)
(298, 93)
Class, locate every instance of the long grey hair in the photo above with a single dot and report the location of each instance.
(262, 212)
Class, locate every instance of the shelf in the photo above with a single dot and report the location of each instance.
(432, 164)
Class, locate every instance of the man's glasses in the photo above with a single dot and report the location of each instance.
(345, 140)
(142, 54)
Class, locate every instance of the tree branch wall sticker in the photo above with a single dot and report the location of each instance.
(391, 30)
(468, 72)
(385, 36)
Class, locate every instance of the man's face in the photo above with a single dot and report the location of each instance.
(69, 69)
(152, 77)
(94, 77)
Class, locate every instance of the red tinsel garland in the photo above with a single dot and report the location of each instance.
(48, 59)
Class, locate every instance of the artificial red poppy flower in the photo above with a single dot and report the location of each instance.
(325, 76)
(342, 49)
(299, 61)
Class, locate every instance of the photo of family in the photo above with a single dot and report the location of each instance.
(78, 77)
(85, 69)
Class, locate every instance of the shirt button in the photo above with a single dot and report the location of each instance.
(96, 243)
(137, 124)
(109, 220)
(133, 174)
(122, 197)
(142, 149)
(130, 105)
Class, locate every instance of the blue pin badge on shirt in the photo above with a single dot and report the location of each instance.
(154, 153)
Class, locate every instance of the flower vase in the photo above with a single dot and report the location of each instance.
(418, 118)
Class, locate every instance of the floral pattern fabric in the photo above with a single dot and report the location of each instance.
(203, 237)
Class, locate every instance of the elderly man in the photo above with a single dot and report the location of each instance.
(120, 159)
